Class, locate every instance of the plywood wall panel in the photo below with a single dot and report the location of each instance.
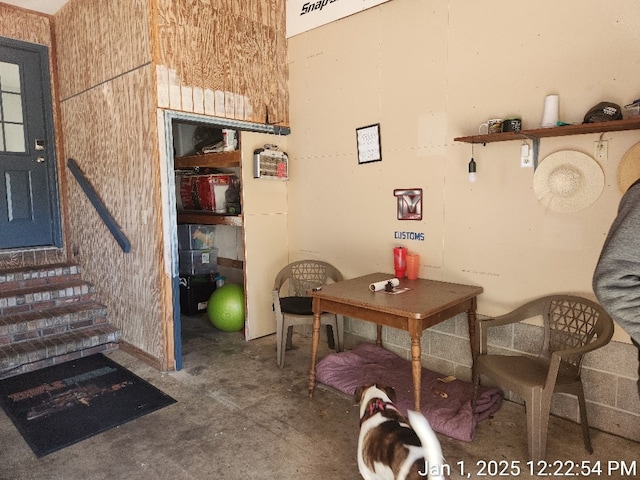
(24, 25)
(209, 77)
(100, 40)
(112, 135)
(229, 52)
(120, 61)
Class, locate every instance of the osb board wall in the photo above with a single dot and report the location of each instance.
(98, 41)
(225, 58)
(109, 121)
(19, 24)
(25, 25)
(111, 132)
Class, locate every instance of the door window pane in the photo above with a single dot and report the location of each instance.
(11, 109)
(10, 77)
(14, 137)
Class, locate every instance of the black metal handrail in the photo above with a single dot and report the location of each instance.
(97, 203)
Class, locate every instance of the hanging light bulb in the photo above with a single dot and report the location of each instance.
(472, 168)
(472, 171)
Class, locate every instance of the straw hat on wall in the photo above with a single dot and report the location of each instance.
(629, 168)
(568, 181)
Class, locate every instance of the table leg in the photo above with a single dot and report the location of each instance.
(315, 340)
(471, 318)
(379, 335)
(415, 330)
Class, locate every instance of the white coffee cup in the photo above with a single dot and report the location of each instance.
(493, 125)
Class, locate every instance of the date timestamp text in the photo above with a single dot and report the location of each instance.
(542, 468)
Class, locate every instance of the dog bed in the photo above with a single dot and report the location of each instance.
(446, 404)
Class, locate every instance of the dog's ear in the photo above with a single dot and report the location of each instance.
(391, 393)
(359, 393)
(357, 396)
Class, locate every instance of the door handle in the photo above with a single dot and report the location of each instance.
(39, 160)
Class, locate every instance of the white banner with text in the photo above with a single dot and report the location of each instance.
(303, 15)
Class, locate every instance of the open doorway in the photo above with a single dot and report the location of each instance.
(200, 145)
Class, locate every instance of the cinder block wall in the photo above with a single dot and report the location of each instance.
(609, 374)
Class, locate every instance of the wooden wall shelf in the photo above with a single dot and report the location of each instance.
(212, 160)
(601, 127)
(209, 218)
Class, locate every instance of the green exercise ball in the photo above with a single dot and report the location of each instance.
(226, 308)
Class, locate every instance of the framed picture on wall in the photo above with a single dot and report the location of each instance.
(368, 140)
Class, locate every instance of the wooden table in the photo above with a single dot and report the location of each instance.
(427, 303)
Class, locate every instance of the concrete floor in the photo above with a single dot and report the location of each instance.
(238, 416)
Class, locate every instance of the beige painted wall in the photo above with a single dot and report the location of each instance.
(432, 71)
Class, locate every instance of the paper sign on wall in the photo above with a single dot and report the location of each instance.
(303, 15)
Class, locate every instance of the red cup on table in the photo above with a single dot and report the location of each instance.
(400, 261)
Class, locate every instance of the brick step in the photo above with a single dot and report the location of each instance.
(25, 277)
(20, 300)
(48, 316)
(40, 323)
(37, 353)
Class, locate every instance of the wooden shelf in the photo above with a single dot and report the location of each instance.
(213, 160)
(209, 218)
(601, 127)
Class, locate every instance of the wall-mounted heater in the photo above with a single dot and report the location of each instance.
(270, 162)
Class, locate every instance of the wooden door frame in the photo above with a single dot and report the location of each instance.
(170, 222)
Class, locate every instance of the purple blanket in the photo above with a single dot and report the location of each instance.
(447, 406)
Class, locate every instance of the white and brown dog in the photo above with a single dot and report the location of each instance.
(390, 447)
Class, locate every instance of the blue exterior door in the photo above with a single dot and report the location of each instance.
(29, 206)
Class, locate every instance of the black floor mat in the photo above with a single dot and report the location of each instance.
(60, 405)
